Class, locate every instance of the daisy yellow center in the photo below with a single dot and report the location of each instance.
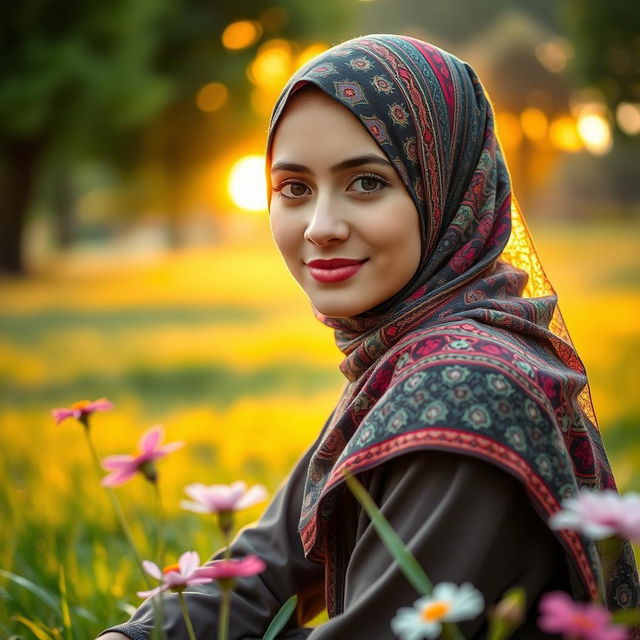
(435, 610)
(175, 567)
(81, 404)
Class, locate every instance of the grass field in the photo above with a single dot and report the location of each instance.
(220, 346)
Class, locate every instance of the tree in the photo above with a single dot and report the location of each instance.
(74, 79)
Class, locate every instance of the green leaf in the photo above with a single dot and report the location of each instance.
(37, 591)
(405, 559)
(37, 631)
(626, 616)
(281, 618)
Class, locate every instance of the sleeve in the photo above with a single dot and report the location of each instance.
(465, 520)
(256, 599)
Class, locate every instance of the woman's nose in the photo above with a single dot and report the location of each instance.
(326, 224)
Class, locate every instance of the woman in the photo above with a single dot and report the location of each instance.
(466, 411)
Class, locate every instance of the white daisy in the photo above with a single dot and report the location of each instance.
(447, 603)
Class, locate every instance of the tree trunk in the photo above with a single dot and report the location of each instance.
(17, 180)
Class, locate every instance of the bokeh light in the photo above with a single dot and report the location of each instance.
(310, 52)
(554, 54)
(534, 123)
(563, 134)
(247, 183)
(509, 129)
(628, 117)
(595, 132)
(241, 34)
(272, 65)
(212, 96)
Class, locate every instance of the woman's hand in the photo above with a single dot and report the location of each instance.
(113, 635)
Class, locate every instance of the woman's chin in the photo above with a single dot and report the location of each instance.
(337, 309)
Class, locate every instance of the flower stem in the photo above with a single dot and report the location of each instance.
(227, 546)
(117, 507)
(223, 623)
(185, 615)
(160, 519)
(450, 631)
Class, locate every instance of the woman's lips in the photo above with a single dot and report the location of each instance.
(334, 270)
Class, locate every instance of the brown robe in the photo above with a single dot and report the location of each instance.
(464, 519)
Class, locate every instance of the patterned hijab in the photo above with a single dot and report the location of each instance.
(472, 355)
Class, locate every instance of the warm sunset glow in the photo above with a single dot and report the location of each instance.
(563, 134)
(534, 123)
(509, 129)
(272, 65)
(241, 34)
(595, 132)
(262, 101)
(247, 183)
(212, 96)
(310, 52)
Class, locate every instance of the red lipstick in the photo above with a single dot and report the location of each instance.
(334, 270)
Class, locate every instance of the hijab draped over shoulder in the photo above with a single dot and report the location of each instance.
(472, 355)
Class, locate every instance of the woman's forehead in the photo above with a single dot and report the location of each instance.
(313, 124)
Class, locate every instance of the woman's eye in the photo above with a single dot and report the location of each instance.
(368, 184)
(293, 189)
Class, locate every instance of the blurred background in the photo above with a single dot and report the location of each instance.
(136, 260)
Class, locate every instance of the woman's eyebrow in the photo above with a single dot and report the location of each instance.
(349, 163)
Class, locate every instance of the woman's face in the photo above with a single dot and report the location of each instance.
(341, 217)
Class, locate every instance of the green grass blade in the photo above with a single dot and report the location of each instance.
(37, 631)
(396, 547)
(42, 594)
(281, 618)
(64, 603)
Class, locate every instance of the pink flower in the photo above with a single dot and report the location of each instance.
(600, 514)
(218, 498)
(234, 568)
(81, 410)
(178, 576)
(580, 620)
(124, 467)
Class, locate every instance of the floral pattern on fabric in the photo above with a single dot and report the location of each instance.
(323, 70)
(350, 92)
(382, 84)
(360, 64)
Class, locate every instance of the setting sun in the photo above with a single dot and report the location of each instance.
(247, 183)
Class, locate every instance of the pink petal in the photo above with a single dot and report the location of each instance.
(61, 414)
(117, 462)
(101, 404)
(152, 569)
(188, 562)
(168, 448)
(195, 490)
(197, 507)
(117, 478)
(199, 580)
(150, 439)
(152, 592)
(219, 569)
(175, 579)
(256, 494)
